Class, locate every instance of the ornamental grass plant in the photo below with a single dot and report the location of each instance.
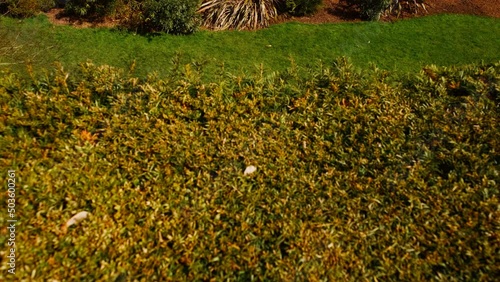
(238, 14)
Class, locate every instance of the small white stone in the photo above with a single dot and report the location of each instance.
(76, 219)
(249, 170)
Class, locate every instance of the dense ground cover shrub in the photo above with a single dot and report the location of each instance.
(359, 174)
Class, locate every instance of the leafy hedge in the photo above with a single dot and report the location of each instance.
(360, 175)
(171, 16)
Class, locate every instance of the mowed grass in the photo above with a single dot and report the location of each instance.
(403, 46)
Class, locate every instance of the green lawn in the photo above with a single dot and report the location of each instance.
(402, 46)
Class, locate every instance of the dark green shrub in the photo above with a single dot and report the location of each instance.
(90, 8)
(370, 9)
(302, 7)
(25, 8)
(171, 16)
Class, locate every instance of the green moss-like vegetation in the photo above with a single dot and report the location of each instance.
(360, 175)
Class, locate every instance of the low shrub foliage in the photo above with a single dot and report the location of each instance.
(302, 7)
(184, 17)
(91, 8)
(170, 16)
(359, 174)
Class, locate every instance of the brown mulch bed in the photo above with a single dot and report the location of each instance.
(333, 11)
(57, 16)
